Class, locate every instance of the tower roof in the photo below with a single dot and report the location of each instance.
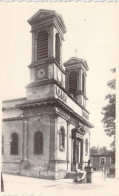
(44, 16)
(76, 61)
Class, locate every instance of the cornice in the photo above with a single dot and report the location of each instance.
(46, 61)
(77, 62)
(13, 119)
(81, 93)
(52, 81)
(49, 17)
(55, 102)
(12, 100)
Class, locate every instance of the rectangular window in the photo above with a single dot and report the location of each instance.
(102, 160)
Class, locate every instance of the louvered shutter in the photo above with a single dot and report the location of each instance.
(72, 82)
(57, 52)
(42, 45)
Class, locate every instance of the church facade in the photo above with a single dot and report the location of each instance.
(47, 133)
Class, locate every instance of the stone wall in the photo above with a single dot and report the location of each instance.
(96, 163)
(11, 163)
(41, 124)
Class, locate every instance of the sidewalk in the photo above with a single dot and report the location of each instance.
(20, 185)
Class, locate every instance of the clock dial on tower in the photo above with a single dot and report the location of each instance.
(41, 73)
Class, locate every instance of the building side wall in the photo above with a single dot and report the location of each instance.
(97, 165)
(11, 163)
(41, 124)
(26, 162)
(61, 155)
(40, 92)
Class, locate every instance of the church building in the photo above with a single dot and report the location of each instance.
(47, 133)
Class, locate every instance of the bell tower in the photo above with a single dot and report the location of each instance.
(76, 69)
(46, 68)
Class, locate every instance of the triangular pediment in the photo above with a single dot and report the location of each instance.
(43, 14)
(75, 60)
(40, 14)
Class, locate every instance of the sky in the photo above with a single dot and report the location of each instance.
(92, 30)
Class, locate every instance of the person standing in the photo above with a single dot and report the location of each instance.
(2, 184)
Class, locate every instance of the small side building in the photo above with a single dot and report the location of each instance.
(104, 159)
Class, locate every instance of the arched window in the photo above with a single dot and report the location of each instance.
(42, 45)
(57, 48)
(2, 145)
(72, 82)
(86, 146)
(38, 143)
(14, 144)
(62, 139)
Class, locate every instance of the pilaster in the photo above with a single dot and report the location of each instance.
(34, 47)
(53, 143)
(25, 140)
(68, 149)
(51, 42)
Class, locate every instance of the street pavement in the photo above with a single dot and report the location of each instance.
(26, 186)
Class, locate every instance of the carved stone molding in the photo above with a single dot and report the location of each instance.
(61, 94)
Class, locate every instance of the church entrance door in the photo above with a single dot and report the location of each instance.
(77, 151)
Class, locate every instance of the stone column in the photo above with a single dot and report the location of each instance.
(82, 152)
(51, 42)
(68, 150)
(34, 46)
(52, 147)
(85, 83)
(80, 80)
(52, 138)
(61, 41)
(25, 140)
(67, 81)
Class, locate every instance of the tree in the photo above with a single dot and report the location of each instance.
(97, 150)
(109, 110)
(94, 150)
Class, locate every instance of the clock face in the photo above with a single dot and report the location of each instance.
(41, 73)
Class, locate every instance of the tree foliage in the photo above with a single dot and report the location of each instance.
(109, 110)
(96, 150)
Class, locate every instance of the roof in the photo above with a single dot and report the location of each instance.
(42, 14)
(75, 60)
